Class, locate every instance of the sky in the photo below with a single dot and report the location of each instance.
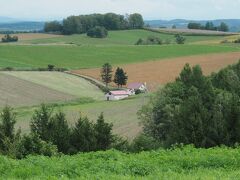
(150, 9)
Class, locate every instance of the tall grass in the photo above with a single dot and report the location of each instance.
(185, 163)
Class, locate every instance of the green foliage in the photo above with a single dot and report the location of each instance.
(106, 73)
(60, 132)
(135, 21)
(83, 136)
(84, 23)
(144, 143)
(237, 40)
(178, 163)
(53, 26)
(199, 110)
(33, 145)
(7, 38)
(209, 26)
(180, 39)
(103, 134)
(97, 32)
(40, 122)
(151, 40)
(120, 77)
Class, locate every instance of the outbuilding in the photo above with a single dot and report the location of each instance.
(116, 95)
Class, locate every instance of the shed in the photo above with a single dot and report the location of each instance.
(116, 95)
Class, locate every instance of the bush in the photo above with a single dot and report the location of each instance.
(51, 67)
(180, 39)
(144, 143)
(138, 91)
(151, 40)
(237, 41)
(8, 38)
(98, 32)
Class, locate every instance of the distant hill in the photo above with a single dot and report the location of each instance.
(7, 20)
(21, 26)
(234, 24)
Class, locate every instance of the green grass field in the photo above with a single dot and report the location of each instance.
(75, 57)
(123, 114)
(126, 37)
(187, 163)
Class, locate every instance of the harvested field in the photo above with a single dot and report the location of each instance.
(32, 36)
(17, 92)
(157, 73)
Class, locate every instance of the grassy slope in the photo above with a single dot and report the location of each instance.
(127, 37)
(188, 163)
(61, 82)
(92, 56)
(123, 114)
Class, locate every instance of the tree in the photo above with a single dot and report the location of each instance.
(120, 77)
(8, 138)
(53, 26)
(136, 21)
(97, 32)
(106, 73)
(83, 138)
(180, 39)
(174, 26)
(193, 25)
(210, 26)
(60, 132)
(103, 134)
(40, 122)
(223, 27)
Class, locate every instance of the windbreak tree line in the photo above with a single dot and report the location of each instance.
(51, 134)
(83, 23)
(209, 26)
(195, 109)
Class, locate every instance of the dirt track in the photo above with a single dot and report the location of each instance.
(157, 73)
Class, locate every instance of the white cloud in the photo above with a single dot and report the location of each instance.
(151, 9)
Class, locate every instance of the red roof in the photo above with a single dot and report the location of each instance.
(117, 93)
(134, 85)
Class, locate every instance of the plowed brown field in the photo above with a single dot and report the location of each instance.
(156, 73)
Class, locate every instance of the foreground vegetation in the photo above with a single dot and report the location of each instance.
(180, 163)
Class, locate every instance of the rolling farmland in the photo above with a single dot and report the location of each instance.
(76, 57)
(157, 73)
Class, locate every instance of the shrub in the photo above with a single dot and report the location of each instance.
(237, 41)
(180, 39)
(8, 38)
(51, 67)
(98, 32)
(151, 40)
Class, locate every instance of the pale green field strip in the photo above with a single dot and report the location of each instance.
(18, 92)
(61, 82)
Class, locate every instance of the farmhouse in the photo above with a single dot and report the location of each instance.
(137, 86)
(116, 95)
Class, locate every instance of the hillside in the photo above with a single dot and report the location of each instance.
(184, 163)
(76, 57)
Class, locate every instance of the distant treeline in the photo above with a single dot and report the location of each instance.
(209, 26)
(83, 23)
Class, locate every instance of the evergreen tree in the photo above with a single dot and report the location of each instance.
(60, 132)
(83, 138)
(40, 122)
(120, 77)
(103, 132)
(106, 73)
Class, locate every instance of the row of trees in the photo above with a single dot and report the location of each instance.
(195, 109)
(83, 23)
(152, 40)
(9, 38)
(209, 26)
(120, 77)
(51, 134)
